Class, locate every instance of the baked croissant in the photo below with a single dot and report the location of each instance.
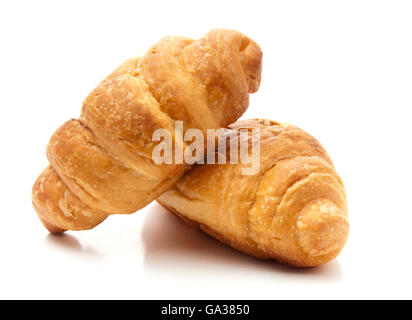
(102, 163)
(293, 210)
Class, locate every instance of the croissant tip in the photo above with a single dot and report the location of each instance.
(51, 228)
(322, 228)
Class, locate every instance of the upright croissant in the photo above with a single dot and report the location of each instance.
(293, 210)
(102, 163)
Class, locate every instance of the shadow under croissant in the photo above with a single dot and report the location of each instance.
(70, 244)
(173, 245)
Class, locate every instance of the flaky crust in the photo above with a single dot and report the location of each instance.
(293, 210)
(102, 163)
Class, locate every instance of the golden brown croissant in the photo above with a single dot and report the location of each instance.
(102, 163)
(293, 210)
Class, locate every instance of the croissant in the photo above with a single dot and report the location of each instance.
(102, 163)
(293, 210)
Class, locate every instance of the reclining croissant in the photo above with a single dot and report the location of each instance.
(101, 164)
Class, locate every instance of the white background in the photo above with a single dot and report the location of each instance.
(341, 70)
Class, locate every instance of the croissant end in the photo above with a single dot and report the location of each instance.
(322, 228)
